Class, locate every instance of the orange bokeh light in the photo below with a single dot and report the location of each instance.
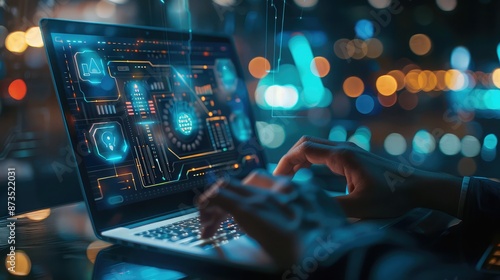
(420, 44)
(353, 87)
(386, 85)
(320, 66)
(18, 89)
(387, 101)
(400, 78)
(259, 67)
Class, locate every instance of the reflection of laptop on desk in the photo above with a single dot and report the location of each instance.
(153, 117)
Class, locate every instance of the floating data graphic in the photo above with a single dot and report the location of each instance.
(109, 141)
(94, 83)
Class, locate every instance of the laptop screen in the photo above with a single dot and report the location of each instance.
(151, 114)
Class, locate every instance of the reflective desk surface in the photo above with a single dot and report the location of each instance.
(59, 244)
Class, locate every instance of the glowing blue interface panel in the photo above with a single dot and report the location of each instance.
(155, 117)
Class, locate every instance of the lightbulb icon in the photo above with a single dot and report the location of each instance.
(109, 139)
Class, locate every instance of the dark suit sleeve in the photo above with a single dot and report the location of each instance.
(482, 206)
(362, 251)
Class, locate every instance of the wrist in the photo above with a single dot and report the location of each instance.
(435, 191)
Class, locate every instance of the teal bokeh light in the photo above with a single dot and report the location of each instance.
(460, 58)
(490, 141)
(313, 89)
(424, 142)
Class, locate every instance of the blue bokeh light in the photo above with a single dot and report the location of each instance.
(365, 104)
(460, 58)
(490, 141)
(364, 29)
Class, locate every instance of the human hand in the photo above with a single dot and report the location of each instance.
(378, 187)
(284, 217)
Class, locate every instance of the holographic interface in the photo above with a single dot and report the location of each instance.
(151, 120)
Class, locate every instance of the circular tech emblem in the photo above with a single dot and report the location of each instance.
(183, 125)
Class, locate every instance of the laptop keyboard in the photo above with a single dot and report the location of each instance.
(188, 232)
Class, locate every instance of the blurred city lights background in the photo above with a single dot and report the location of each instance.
(415, 81)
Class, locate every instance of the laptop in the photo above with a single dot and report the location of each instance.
(154, 117)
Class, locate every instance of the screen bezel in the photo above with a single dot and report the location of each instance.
(132, 213)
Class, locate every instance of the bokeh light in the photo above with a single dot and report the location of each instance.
(375, 48)
(411, 81)
(427, 80)
(33, 37)
(285, 97)
(320, 66)
(380, 4)
(364, 29)
(387, 101)
(399, 76)
(495, 77)
(306, 3)
(450, 144)
(447, 5)
(424, 142)
(259, 67)
(490, 141)
(460, 58)
(491, 99)
(357, 48)
(17, 89)
(386, 85)
(365, 104)
(441, 80)
(3, 35)
(105, 9)
(471, 147)
(39, 215)
(362, 137)
(22, 264)
(16, 42)
(338, 134)
(395, 144)
(353, 87)
(408, 101)
(455, 80)
(271, 135)
(341, 50)
(420, 44)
